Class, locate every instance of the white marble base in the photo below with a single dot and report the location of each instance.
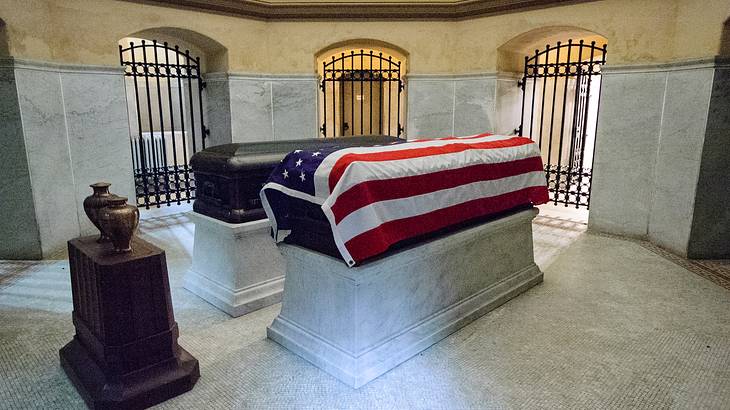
(358, 323)
(236, 267)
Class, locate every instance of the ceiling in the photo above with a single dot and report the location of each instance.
(359, 9)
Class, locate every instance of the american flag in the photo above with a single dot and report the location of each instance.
(375, 197)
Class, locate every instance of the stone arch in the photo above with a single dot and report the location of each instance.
(399, 54)
(213, 55)
(511, 54)
(380, 93)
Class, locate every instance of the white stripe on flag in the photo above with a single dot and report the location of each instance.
(375, 214)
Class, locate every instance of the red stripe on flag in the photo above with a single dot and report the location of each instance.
(341, 165)
(378, 240)
(369, 192)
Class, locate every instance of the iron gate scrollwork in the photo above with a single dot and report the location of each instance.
(168, 100)
(565, 138)
(361, 94)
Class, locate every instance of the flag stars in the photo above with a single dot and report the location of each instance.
(285, 174)
(315, 154)
(299, 162)
(296, 151)
(302, 176)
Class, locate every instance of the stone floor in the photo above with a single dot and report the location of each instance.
(615, 324)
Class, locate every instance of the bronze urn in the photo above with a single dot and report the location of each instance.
(120, 221)
(94, 203)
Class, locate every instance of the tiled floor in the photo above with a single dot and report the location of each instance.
(614, 325)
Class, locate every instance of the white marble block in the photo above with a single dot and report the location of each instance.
(358, 323)
(236, 267)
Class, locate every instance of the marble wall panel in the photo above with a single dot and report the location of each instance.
(251, 118)
(508, 105)
(430, 108)
(52, 180)
(629, 122)
(678, 157)
(474, 105)
(18, 225)
(710, 234)
(98, 134)
(295, 108)
(218, 111)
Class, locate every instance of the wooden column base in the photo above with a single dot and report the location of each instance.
(138, 390)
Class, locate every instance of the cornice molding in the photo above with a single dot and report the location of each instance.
(437, 10)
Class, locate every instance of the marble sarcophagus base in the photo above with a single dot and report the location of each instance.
(358, 323)
(236, 267)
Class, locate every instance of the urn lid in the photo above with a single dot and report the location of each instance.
(100, 185)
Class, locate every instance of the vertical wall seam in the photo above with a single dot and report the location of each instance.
(68, 147)
(271, 99)
(656, 157)
(453, 108)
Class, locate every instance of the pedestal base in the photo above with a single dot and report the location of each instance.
(236, 267)
(358, 323)
(137, 390)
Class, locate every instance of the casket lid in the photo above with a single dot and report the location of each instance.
(249, 156)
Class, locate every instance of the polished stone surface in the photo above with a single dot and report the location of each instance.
(430, 108)
(250, 110)
(267, 108)
(508, 104)
(98, 136)
(710, 236)
(18, 224)
(295, 108)
(625, 153)
(678, 156)
(474, 106)
(218, 111)
(613, 325)
(236, 267)
(44, 126)
(441, 105)
(358, 323)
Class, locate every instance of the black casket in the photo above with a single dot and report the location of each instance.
(228, 177)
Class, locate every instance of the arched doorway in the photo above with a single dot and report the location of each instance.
(560, 84)
(166, 106)
(362, 90)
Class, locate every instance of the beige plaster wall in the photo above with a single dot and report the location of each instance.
(87, 32)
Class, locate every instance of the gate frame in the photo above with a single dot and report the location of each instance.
(176, 179)
(534, 69)
(385, 75)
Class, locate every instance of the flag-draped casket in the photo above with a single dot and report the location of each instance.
(376, 197)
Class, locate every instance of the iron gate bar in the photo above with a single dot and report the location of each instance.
(155, 165)
(178, 69)
(175, 168)
(162, 119)
(569, 183)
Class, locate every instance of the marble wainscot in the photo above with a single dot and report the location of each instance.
(236, 267)
(358, 323)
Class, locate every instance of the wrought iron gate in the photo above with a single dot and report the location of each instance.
(168, 111)
(565, 137)
(361, 94)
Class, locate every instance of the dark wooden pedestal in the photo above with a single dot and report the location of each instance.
(125, 352)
